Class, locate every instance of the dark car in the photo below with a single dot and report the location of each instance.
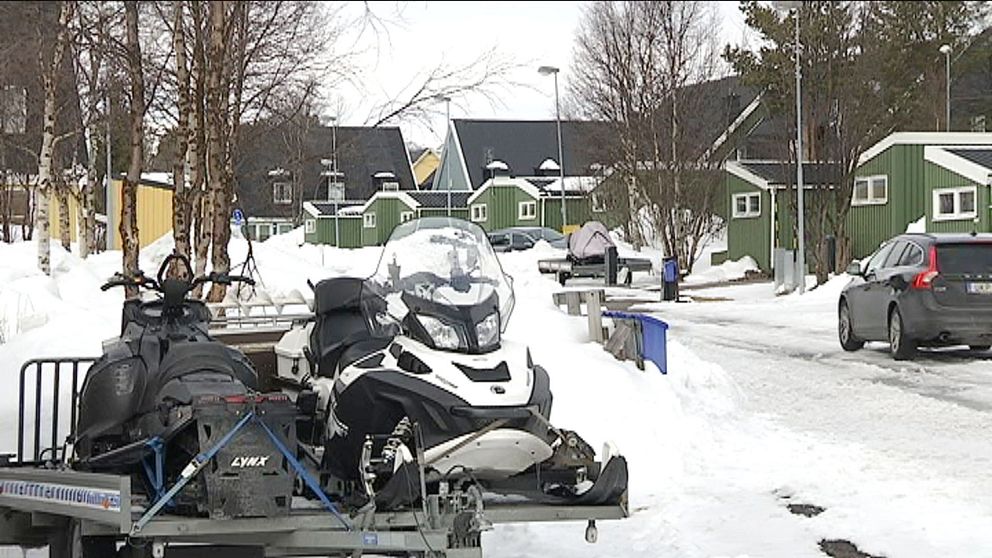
(524, 238)
(920, 290)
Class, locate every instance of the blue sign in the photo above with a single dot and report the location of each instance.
(238, 217)
(370, 539)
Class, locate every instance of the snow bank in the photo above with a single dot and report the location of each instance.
(918, 226)
(730, 270)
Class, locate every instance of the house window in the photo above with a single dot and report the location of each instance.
(310, 226)
(527, 210)
(871, 190)
(479, 213)
(406, 216)
(747, 205)
(390, 186)
(368, 220)
(282, 193)
(952, 204)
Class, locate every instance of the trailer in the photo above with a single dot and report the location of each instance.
(44, 501)
(565, 269)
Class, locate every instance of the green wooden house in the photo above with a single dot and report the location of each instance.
(940, 177)
(759, 206)
(502, 202)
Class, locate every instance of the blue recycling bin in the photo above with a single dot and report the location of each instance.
(654, 337)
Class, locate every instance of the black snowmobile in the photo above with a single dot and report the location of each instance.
(412, 376)
(164, 395)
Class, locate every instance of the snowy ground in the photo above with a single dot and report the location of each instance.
(761, 408)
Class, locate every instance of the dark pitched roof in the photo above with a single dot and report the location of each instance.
(524, 144)
(431, 199)
(361, 153)
(779, 173)
(981, 157)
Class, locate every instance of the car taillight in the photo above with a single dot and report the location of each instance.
(924, 279)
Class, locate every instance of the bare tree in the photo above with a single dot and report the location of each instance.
(129, 189)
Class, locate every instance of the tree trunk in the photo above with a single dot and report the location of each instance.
(180, 200)
(216, 119)
(65, 232)
(129, 190)
(45, 160)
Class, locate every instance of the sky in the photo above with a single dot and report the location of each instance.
(420, 35)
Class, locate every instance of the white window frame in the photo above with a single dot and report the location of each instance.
(310, 226)
(746, 214)
(871, 199)
(391, 186)
(368, 220)
(275, 193)
(406, 216)
(522, 214)
(480, 213)
(597, 203)
(957, 215)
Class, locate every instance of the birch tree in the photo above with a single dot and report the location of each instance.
(50, 78)
(129, 189)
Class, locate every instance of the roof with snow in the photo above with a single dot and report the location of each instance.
(319, 208)
(550, 164)
(439, 199)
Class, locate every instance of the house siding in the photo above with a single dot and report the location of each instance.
(870, 225)
(579, 211)
(938, 177)
(456, 212)
(748, 236)
(387, 215)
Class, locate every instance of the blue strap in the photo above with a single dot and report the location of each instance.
(155, 475)
(311, 483)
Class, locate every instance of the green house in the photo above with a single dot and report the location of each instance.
(504, 201)
(760, 206)
(957, 188)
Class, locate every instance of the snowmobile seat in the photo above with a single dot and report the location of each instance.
(341, 305)
(184, 359)
(361, 349)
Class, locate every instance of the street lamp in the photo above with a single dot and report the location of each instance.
(946, 51)
(551, 70)
(801, 252)
(445, 154)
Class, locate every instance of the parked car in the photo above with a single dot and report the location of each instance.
(916, 290)
(524, 238)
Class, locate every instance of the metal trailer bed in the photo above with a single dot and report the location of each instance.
(565, 269)
(59, 507)
(48, 506)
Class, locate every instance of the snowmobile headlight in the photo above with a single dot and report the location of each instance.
(487, 331)
(443, 335)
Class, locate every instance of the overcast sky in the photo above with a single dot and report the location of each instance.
(422, 34)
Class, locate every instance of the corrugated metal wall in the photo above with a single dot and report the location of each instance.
(579, 211)
(154, 213)
(387, 216)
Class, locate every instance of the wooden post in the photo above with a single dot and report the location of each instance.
(574, 303)
(595, 310)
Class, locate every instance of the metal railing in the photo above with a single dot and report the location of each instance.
(75, 368)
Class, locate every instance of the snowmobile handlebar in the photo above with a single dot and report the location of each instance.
(159, 284)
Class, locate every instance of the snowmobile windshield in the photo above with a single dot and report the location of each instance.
(445, 261)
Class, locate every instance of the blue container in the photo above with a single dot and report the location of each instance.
(654, 343)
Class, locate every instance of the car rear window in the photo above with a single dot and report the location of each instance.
(966, 259)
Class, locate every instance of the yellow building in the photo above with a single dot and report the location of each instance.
(424, 166)
(154, 212)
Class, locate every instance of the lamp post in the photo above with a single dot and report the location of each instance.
(801, 210)
(447, 125)
(551, 70)
(946, 51)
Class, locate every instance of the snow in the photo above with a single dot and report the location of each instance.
(918, 226)
(497, 165)
(760, 408)
(581, 184)
(549, 164)
(730, 270)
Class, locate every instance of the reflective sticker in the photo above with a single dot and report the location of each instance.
(104, 500)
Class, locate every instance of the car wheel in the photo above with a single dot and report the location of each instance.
(979, 348)
(845, 330)
(901, 346)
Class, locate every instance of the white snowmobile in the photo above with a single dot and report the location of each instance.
(413, 380)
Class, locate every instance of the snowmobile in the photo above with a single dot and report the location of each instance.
(415, 386)
(164, 393)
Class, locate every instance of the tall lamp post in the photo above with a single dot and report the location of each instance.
(801, 210)
(551, 70)
(445, 154)
(946, 51)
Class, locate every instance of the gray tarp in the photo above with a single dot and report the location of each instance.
(590, 242)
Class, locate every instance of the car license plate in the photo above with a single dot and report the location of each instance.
(980, 288)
